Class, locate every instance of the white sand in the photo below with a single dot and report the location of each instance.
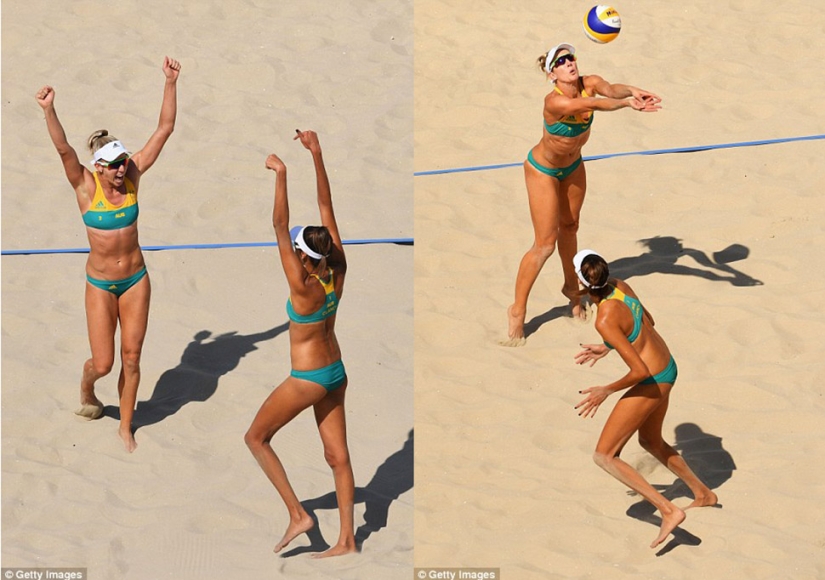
(191, 502)
(502, 465)
(504, 476)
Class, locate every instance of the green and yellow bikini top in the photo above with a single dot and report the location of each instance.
(635, 309)
(327, 309)
(103, 215)
(571, 125)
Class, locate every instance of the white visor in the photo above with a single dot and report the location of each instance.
(577, 264)
(110, 152)
(551, 54)
(297, 235)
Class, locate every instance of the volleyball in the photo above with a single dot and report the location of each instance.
(602, 24)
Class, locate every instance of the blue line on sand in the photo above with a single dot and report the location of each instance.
(649, 152)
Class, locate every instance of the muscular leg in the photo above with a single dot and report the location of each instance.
(290, 398)
(650, 438)
(329, 414)
(627, 416)
(571, 199)
(542, 194)
(101, 322)
(133, 307)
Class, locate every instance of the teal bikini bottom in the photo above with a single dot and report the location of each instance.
(117, 287)
(559, 173)
(330, 377)
(666, 376)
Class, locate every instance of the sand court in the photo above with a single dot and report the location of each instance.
(718, 241)
(191, 502)
(722, 241)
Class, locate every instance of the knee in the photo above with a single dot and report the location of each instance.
(569, 226)
(252, 442)
(603, 460)
(336, 458)
(255, 440)
(100, 367)
(131, 360)
(654, 446)
(543, 248)
(646, 443)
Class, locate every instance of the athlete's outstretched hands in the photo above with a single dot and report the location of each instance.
(591, 353)
(590, 404)
(645, 96)
(645, 105)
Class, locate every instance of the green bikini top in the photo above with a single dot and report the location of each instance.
(635, 309)
(571, 125)
(327, 309)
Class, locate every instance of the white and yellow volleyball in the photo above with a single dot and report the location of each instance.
(602, 24)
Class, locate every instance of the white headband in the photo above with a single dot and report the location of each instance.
(299, 239)
(577, 263)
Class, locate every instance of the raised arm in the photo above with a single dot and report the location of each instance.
(294, 270)
(309, 139)
(71, 164)
(146, 157)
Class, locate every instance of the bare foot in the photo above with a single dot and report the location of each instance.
(294, 530)
(669, 523)
(515, 329)
(513, 342)
(577, 310)
(128, 439)
(707, 500)
(337, 550)
(90, 406)
(90, 411)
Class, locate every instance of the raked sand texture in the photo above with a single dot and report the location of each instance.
(724, 246)
(191, 502)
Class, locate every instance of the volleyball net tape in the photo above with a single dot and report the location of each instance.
(410, 241)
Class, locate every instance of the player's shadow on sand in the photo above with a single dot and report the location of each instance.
(202, 364)
(392, 478)
(707, 458)
(662, 257)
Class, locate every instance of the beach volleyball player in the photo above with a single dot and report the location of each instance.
(313, 261)
(627, 327)
(117, 284)
(555, 174)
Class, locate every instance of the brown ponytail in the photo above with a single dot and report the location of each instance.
(594, 269)
(319, 240)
